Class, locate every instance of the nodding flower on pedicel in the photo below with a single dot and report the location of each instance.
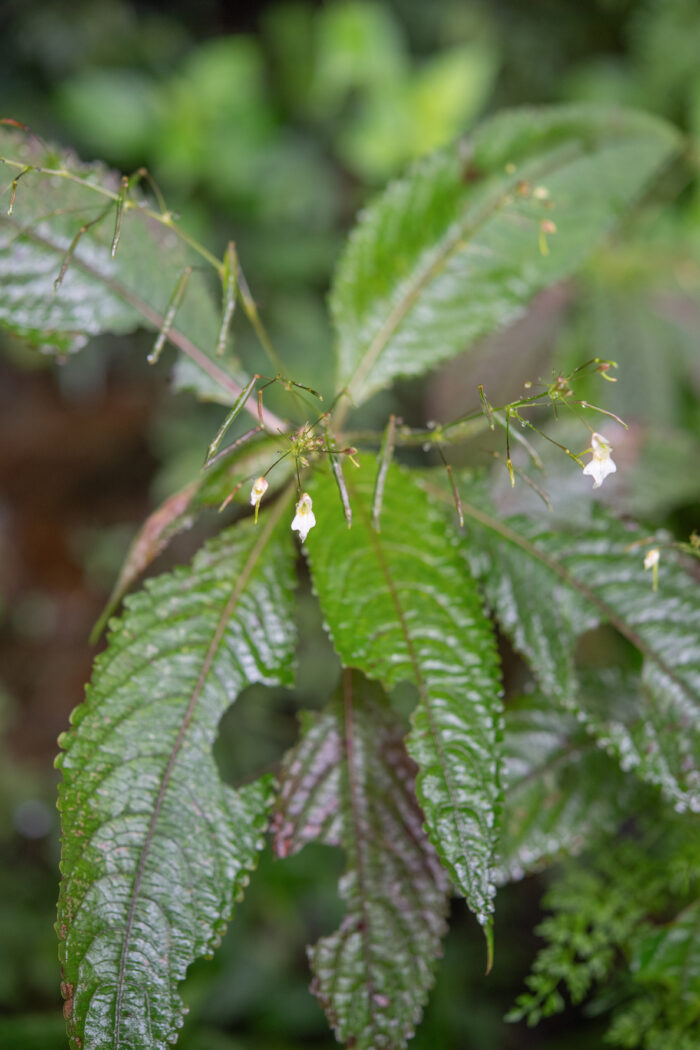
(304, 519)
(260, 487)
(601, 464)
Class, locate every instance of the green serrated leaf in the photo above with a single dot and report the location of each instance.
(98, 292)
(552, 778)
(547, 587)
(155, 848)
(456, 248)
(350, 782)
(401, 606)
(210, 489)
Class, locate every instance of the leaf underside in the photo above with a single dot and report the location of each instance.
(155, 847)
(350, 782)
(400, 605)
(453, 250)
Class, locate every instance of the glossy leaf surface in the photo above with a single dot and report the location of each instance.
(350, 782)
(155, 847)
(548, 587)
(456, 248)
(401, 606)
(98, 292)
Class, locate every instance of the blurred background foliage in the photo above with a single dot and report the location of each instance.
(272, 124)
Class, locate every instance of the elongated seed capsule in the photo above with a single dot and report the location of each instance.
(234, 445)
(14, 188)
(175, 300)
(337, 469)
(235, 410)
(121, 200)
(453, 484)
(487, 407)
(229, 281)
(300, 386)
(74, 244)
(385, 455)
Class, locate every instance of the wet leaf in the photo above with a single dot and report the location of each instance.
(156, 848)
(453, 250)
(401, 606)
(350, 782)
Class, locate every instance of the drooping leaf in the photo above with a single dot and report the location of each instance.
(151, 540)
(552, 777)
(454, 249)
(98, 292)
(155, 847)
(350, 782)
(401, 606)
(178, 512)
(547, 587)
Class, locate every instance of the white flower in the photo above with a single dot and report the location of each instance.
(651, 558)
(304, 519)
(260, 487)
(651, 561)
(601, 464)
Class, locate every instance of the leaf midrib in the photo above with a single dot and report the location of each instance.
(241, 583)
(466, 228)
(572, 581)
(413, 658)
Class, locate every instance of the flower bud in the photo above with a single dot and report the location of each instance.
(260, 487)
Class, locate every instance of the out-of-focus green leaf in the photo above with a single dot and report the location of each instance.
(457, 248)
(417, 113)
(671, 955)
(350, 782)
(114, 110)
(400, 605)
(155, 847)
(359, 45)
(217, 118)
(27, 1032)
(449, 92)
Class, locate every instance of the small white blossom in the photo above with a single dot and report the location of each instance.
(601, 464)
(651, 561)
(260, 487)
(304, 519)
(651, 558)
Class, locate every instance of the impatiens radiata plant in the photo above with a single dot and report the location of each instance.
(438, 550)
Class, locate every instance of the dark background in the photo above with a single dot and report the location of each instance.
(272, 124)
